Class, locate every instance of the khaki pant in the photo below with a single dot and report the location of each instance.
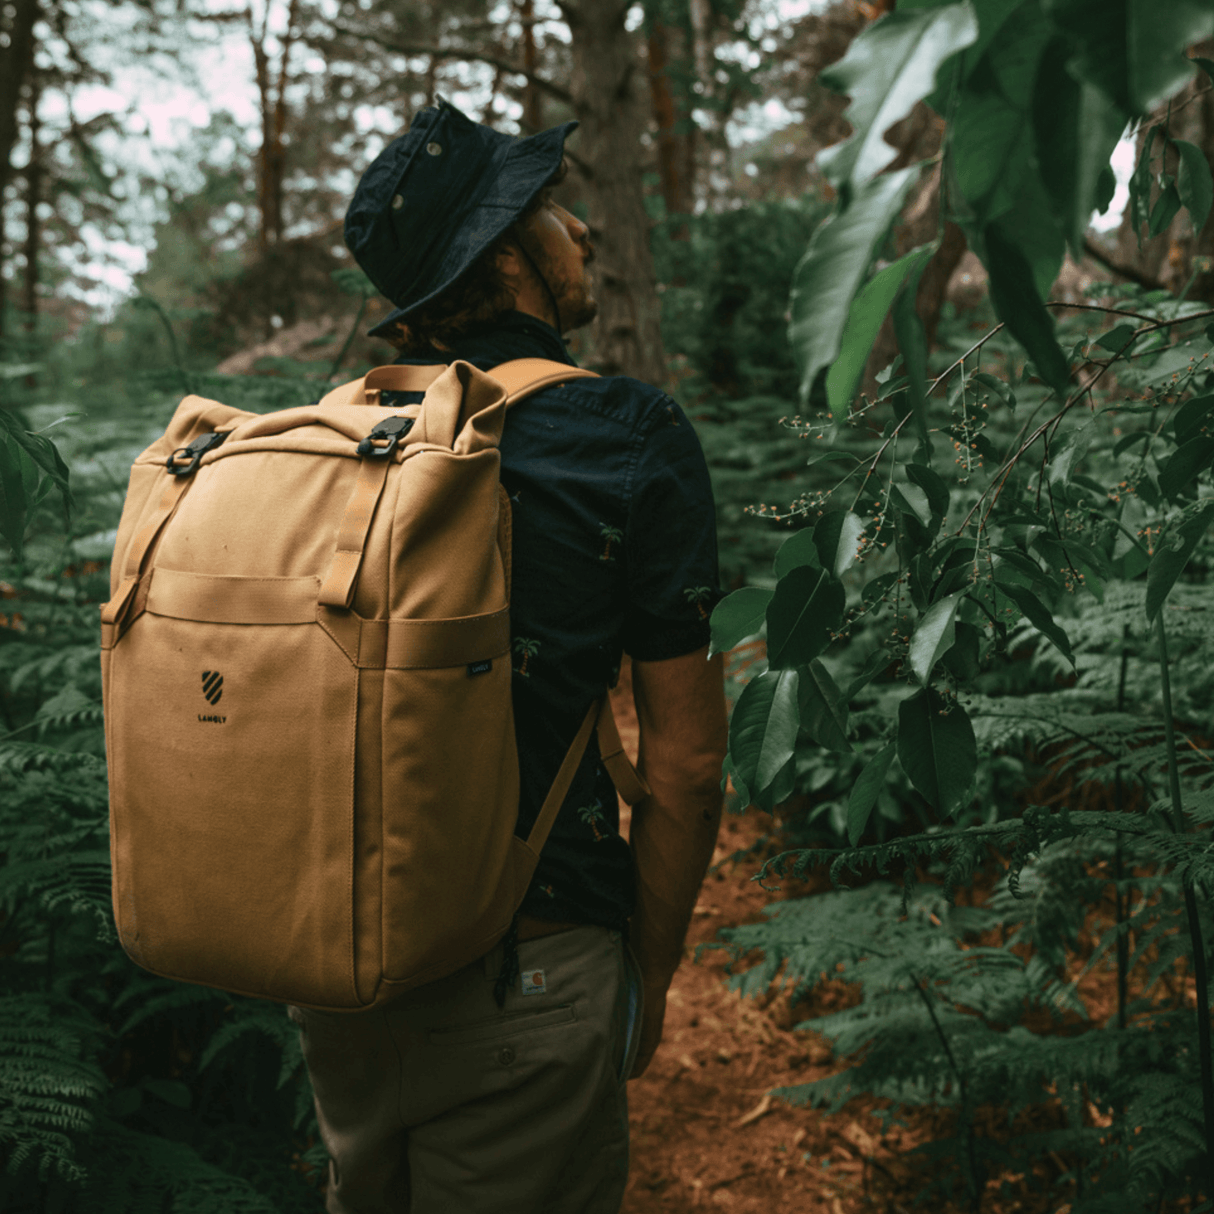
(442, 1103)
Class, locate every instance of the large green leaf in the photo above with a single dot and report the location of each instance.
(1133, 50)
(823, 708)
(912, 345)
(798, 549)
(889, 66)
(864, 320)
(738, 616)
(828, 276)
(1194, 183)
(866, 790)
(805, 609)
(992, 143)
(1185, 463)
(933, 636)
(836, 537)
(1039, 616)
(763, 729)
(937, 749)
(30, 468)
(1175, 546)
(1018, 304)
(1075, 128)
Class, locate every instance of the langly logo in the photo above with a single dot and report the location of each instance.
(212, 688)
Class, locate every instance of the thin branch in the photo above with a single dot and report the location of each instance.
(456, 52)
(1094, 251)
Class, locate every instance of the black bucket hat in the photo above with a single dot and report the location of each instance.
(436, 198)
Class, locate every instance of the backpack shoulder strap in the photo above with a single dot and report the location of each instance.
(523, 376)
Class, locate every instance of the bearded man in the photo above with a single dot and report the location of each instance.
(501, 1089)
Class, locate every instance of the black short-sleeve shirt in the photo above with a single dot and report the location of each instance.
(614, 549)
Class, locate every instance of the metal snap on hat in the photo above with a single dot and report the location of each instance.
(436, 198)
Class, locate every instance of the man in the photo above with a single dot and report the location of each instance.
(449, 1100)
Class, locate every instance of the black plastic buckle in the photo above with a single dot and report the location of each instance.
(391, 428)
(194, 450)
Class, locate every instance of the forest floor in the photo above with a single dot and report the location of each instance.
(704, 1131)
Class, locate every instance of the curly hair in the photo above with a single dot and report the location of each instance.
(478, 297)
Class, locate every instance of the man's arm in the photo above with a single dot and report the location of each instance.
(680, 705)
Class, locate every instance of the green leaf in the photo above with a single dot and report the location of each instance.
(1186, 462)
(1118, 339)
(932, 486)
(1192, 417)
(30, 466)
(997, 386)
(805, 609)
(912, 344)
(866, 791)
(763, 728)
(1019, 306)
(738, 616)
(827, 277)
(1039, 616)
(1141, 179)
(823, 708)
(837, 536)
(937, 749)
(1133, 50)
(1074, 448)
(1206, 65)
(962, 660)
(1075, 128)
(911, 498)
(1164, 210)
(1194, 182)
(1175, 546)
(798, 549)
(933, 636)
(864, 321)
(889, 66)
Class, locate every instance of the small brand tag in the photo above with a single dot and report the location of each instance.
(533, 982)
(480, 667)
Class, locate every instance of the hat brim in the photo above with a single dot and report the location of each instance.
(526, 168)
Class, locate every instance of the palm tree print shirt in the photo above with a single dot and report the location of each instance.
(614, 551)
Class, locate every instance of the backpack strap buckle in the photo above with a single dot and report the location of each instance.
(193, 451)
(391, 429)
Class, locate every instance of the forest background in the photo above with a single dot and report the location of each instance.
(950, 622)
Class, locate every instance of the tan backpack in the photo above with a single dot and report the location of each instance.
(306, 672)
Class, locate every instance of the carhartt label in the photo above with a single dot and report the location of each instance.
(480, 667)
(533, 982)
(212, 720)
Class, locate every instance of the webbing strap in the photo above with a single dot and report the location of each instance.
(629, 782)
(624, 776)
(116, 612)
(338, 587)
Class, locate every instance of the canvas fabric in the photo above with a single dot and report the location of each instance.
(441, 1101)
(306, 683)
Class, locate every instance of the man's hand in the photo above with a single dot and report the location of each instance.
(681, 715)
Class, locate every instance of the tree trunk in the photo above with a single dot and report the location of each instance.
(533, 107)
(272, 156)
(606, 102)
(676, 136)
(16, 60)
(33, 223)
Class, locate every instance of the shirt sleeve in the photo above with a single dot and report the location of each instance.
(670, 542)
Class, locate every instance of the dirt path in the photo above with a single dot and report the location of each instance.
(703, 1132)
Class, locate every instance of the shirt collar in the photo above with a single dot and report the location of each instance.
(512, 335)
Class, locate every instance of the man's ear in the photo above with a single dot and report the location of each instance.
(510, 263)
